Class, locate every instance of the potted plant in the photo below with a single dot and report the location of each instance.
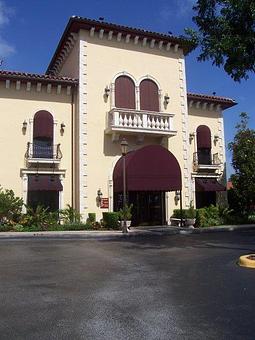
(190, 217)
(125, 214)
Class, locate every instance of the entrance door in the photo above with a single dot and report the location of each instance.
(148, 207)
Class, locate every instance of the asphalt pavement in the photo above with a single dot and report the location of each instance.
(144, 287)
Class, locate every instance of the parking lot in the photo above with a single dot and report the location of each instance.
(155, 287)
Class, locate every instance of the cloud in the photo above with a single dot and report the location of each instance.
(5, 15)
(178, 8)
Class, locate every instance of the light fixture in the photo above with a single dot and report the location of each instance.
(99, 197)
(191, 136)
(216, 138)
(124, 147)
(62, 127)
(107, 91)
(166, 98)
(24, 126)
(177, 196)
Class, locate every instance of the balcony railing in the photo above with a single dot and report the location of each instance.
(41, 153)
(204, 161)
(135, 121)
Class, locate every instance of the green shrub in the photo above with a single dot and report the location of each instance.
(126, 212)
(10, 207)
(18, 227)
(91, 217)
(111, 220)
(5, 227)
(186, 213)
(40, 217)
(69, 215)
(208, 217)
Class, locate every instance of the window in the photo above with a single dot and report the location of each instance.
(149, 97)
(43, 135)
(204, 145)
(125, 93)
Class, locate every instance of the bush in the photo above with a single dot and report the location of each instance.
(40, 217)
(10, 207)
(91, 217)
(186, 213)
(111, 220)
(70, 215)
(208, 217)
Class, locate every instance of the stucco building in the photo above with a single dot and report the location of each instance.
(61, 131)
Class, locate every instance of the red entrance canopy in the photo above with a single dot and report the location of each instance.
(152, 168)
(209, 184)
(44, 183)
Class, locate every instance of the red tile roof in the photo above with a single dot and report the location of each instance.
(223, 101)
(4, 74)
(76, 23)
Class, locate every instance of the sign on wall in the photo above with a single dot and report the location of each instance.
(104, 203)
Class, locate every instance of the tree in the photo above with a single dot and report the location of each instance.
(10, 207)
(243, 161)
(226, 34)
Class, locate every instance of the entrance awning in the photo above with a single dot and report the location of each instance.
(44, 183)
(151, 168)
(209, 184)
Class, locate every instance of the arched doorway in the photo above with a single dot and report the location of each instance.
(150, 172)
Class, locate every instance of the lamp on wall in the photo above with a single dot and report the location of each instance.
(191, 137)
(216, 139)
(62, 127)
(177, 197)
(24, 127)
(99, 197)
(107, 91)
(166, 99)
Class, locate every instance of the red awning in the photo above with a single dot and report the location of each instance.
(44, 183)
(152, 168)
(209, 184)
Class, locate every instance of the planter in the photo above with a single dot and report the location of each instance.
(189, 222)
(128, 223)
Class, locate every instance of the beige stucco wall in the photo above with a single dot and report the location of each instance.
(17, 106)
(70, 68)
(104, 59)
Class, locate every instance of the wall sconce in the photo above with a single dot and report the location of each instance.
(166, 99)
(24, 127)
(62, 128)
(191, 137)
(99, 197)
(177, 197)
(216, 139)
(107, 91)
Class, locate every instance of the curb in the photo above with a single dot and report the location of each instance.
(111, 235)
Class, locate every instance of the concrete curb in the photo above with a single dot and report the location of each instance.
(110, 235)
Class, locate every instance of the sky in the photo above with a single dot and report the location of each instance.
(30, 31)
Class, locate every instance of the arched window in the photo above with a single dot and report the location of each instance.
(149, 98)
(43, 135)
(204, 144)
(125, 93)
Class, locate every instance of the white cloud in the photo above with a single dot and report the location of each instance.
(5, 15)
(178, 8)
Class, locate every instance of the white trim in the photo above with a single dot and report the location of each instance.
(148, 76)
(124, 73)
(24, 178)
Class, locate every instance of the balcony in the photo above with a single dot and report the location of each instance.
(140, 122)
(43, 153)
(206, 161)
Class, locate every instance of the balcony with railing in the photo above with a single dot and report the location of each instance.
(140, 122)
(37, 153)
(205, 161)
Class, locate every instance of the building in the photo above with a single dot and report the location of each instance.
(61, 131)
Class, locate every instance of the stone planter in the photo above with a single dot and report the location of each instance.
(189, 222)
(128, 223)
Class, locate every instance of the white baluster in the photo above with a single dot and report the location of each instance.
(153, 123)
(149, 122)
(140, 122)
(135, 121)
(130, 121)
(125, 120)
(170, 123)
(121, 119)
(157, 123)
(145, 121)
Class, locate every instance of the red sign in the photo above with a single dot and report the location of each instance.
(104, 203)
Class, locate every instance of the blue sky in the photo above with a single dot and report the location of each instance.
(30, 31)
